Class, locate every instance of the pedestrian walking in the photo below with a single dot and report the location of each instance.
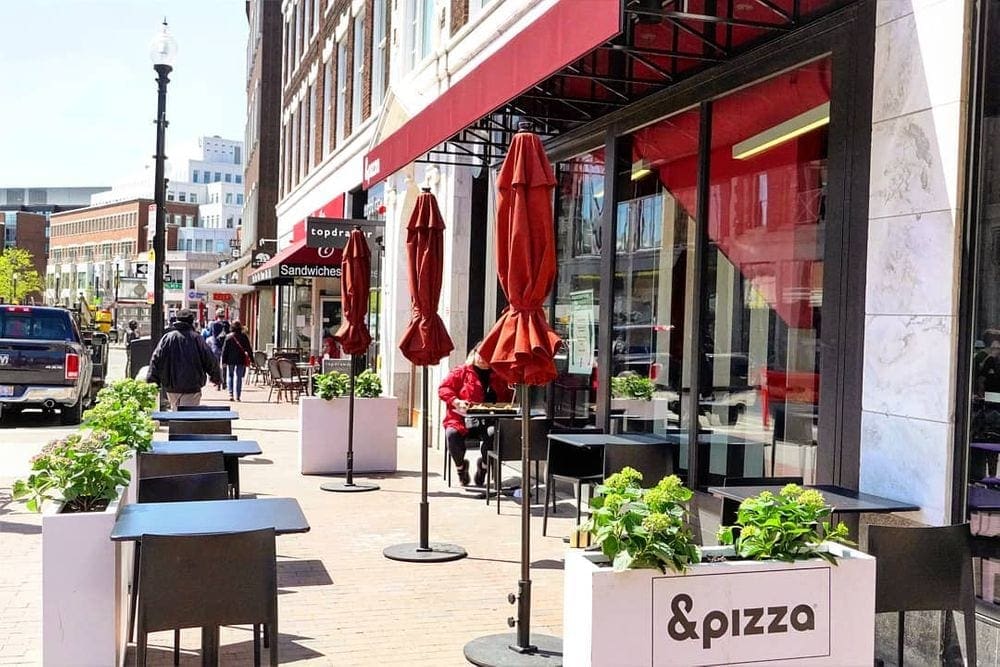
(219, 329)
(236, 357)
(181, 363)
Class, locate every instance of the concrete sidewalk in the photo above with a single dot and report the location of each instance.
(340, 601)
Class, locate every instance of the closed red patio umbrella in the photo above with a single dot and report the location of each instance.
(425, 342)
(355, 287)
(520, 348)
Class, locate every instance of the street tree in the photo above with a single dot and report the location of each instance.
(18, 276)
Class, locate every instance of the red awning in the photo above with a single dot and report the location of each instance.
(299, 261)
(555, 39)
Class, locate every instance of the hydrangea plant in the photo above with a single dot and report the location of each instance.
(643, 528)
(82, 470)
(788, 526)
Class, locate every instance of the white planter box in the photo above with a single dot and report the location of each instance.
(84, 588)
(323, 435)
(810, 613)
(637, 408)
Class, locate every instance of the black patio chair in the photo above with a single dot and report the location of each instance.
(208, 581)
(168, 488)
(654, 461)
(577, 465)
(925, 569)
(258, 368)
(162, 465)
(174, 488)
(507, 447)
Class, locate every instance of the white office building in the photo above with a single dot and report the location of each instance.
(207, 172)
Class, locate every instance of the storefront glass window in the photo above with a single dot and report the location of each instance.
(982, 491)
(581, 200)
(759, 390)
(654, 241)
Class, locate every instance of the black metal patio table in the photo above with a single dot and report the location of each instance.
(232, 451)
(204, 517)
(843, 500)
(195, 415)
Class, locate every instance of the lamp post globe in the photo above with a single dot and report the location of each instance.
(162, 51)
(163, 48)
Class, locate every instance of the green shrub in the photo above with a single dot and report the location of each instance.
(123, 413)
(335, 384)
(788, 526)
(643, 528)
(331, 385)
(146, 394)
(368, 384)
(83, 470)
(630, 385)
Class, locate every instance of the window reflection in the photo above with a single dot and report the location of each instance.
(764, 275)
(654, 242)
(578, 247)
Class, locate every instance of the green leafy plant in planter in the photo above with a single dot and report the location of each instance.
(331, 385)
(368, 384)
(123, 413)
(788, 526)
(145, 393)
(83, 470)
(630, 385)
(643, 528)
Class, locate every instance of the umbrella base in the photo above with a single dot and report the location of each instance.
(502, 651)
(344, 487)
(438, 552)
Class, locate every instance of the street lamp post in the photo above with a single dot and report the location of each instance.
(162, 52)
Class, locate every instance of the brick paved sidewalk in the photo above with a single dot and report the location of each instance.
(340, 601)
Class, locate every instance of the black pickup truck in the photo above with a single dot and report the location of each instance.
(44, 362)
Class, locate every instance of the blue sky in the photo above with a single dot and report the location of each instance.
(78, 91)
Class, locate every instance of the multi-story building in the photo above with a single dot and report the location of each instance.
(44, 202)
(28, 231)
(334, 81)
(781, 213)
(208, 173)
(93, 249)
(259, 231)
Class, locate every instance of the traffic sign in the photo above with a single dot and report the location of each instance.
(172, 284)
(141, 269)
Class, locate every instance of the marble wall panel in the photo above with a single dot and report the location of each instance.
(915, 162)
(890, 10)
(908, 366)
(911, 264)
(910, 460)
(918, 61)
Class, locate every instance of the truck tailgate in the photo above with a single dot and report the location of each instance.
(33, 363)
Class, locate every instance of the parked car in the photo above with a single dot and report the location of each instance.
(44, 362)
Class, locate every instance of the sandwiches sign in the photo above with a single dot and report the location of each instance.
(729, 619)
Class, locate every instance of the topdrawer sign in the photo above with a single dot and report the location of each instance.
(730, 619)
(334, 232)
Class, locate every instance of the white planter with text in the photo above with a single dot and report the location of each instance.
(720, 613)
(323, 435)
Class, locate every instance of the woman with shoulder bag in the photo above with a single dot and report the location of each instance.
(472, 382)
(236, 356)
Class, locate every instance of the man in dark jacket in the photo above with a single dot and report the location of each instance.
(181, 362)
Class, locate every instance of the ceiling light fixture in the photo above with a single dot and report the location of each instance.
(806, 122)
(640, 169)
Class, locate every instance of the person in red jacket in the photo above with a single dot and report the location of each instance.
(473, 382)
